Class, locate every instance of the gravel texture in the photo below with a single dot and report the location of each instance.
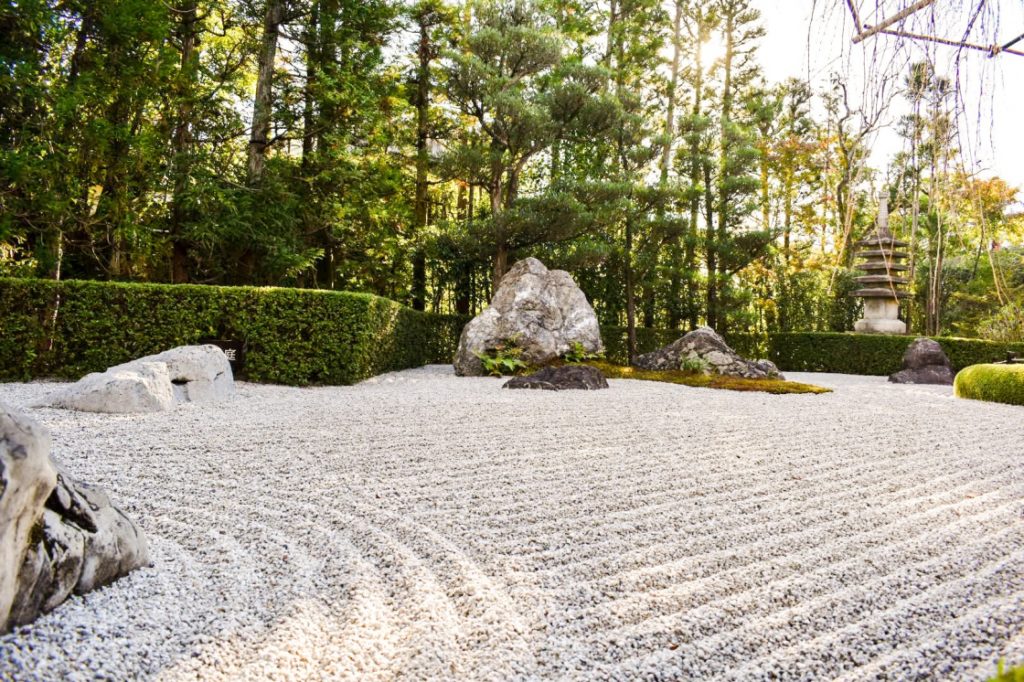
(421, 526)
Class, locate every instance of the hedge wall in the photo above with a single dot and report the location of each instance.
(849, 353)
(293, 336)
(647, 339)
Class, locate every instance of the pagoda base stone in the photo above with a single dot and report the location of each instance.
(880, 326)
(881, 316)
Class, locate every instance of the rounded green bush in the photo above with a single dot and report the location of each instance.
(996, 383)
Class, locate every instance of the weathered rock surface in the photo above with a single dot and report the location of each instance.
(705, 344)
(580, 377)
(924, 362)
(75, 542)
(543, 310)
(154, 383)
(26, 479)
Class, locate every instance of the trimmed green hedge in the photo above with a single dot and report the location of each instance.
(996, 383)
(293, 336)
(878, 354)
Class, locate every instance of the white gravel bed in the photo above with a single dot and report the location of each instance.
(422, 526)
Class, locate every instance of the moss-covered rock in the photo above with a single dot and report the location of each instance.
(996, 383)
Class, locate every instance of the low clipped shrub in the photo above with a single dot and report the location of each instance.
(877, 354)
(995, 383)
(293, 336)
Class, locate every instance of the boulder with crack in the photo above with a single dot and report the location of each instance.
(541, 310)
(154, 383)
(57, 536)
(704, 344)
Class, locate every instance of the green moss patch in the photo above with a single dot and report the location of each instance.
(774, 386)
(995, 383)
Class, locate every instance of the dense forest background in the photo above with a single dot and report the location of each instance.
(416, 149)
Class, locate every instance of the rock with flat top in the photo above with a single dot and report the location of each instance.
(154, 383)
(582, 377)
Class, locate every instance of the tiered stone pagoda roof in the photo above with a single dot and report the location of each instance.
(882, 257)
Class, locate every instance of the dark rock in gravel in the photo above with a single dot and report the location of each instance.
(924, 363)
(581, 377)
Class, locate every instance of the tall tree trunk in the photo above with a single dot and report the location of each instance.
(675, 251)
(725, 148)
(309, 89)
(690, 255)
(915, 212)
(182, 142)
(630, 295)
(263, 103)
(419, 262)
(464, 272)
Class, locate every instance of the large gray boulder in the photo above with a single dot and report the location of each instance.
(924, 362)
(543, 310)
(67, 538)
(705, 344)
(26, 479)
(154, 383)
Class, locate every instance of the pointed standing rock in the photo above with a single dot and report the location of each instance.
(542, 310)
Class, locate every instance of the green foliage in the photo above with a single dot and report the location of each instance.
(503, 359)
(293, 336)
(875, 354)
(1007, 324)
(577, 354)
(694, 365)
(1011, 675)
(774, 386)
(995, 383)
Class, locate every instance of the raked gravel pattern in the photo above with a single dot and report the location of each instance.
(422, 526)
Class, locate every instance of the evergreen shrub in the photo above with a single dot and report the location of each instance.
(996, 383)
(877, 354)
(293, 336)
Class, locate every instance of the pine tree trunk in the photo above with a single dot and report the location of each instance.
(259, 137)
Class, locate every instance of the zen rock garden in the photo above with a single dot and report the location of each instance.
(423, 504)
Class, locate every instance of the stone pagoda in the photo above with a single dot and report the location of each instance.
(881, 285)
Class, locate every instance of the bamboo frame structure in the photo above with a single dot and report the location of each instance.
(865, 31)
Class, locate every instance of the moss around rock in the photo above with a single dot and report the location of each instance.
(995, 383)
(775, 386)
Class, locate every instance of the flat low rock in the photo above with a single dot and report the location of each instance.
(137, 387)
(581, 377)
(924, 362)
(705, 344)
(72, 543)
(155, 383)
